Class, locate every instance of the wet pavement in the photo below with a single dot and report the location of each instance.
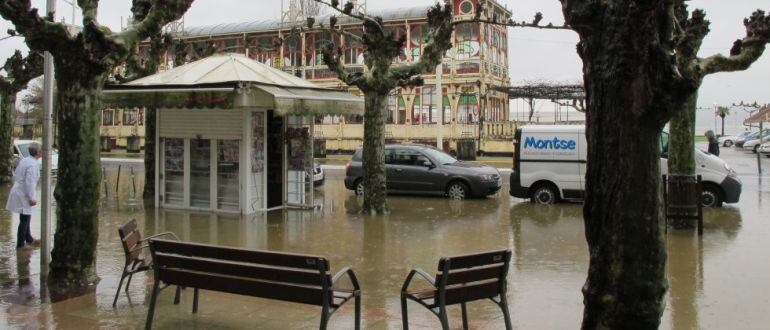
(719, 281)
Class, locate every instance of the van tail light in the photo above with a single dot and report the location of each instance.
(347, 167)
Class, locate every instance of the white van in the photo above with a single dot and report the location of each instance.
(550, 164)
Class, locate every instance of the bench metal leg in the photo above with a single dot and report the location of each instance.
(506, 314)
(177, 295)
(324, 320)
(443, 317)
(151, 311)
(358, 312)
(465, 316)
(122, 276)
(195, 301)
(128, 283)
(404, 316)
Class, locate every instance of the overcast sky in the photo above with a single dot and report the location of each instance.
(534, 54)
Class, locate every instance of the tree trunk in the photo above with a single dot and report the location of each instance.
(74, 251)
(7, 102)
(723, 124)
(681, 147)
(373, 157)
(150, 116)
(628, 96)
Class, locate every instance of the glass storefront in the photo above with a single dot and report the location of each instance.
(228, 187)
(200, 173)
(173, 171)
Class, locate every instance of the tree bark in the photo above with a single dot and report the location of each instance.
(373, 157)
(77, 194)
(150, 116)
(681, 147)
(8, 101)
(631, 88)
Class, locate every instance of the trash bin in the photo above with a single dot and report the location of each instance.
(683, 200)
(466, 149)
(133, 145)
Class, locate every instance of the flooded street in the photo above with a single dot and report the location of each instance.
(719, 281)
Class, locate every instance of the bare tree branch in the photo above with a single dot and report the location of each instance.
(348, 11)
(745, 51)
(38, 32)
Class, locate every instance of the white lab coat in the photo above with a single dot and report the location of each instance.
(25, 179)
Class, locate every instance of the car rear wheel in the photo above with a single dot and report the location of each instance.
(458, 191)
(711, 196)
(728, 143)
(544, 194)
(756, 148)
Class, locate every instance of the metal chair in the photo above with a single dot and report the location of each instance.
(133, 244)
(459, 280)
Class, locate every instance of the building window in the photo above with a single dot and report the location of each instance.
(391, 113)
(466, 7)
(401, 110)
(467, 110)
(292, 52)
(130, 116)
(467, 40)
(108, 117)
(354, 52)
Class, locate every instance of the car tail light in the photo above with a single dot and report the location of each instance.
(347, 167)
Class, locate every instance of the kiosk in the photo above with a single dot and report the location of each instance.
(232, 135)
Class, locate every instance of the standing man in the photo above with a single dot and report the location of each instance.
(23, 198)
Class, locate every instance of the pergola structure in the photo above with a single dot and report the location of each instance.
(568, 95)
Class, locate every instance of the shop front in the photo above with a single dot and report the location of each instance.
(232, 134)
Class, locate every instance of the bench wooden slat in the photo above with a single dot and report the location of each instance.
(129, 244)
(128, 227)
(464, 293)
(288, 275)
(242, 286)
(474, 260)
(240, 255)
(467, 275)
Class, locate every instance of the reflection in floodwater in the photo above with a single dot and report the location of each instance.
(549, 265)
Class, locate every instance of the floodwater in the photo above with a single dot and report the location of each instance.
(719, 281)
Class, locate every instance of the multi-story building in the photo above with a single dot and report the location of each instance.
(471, 107)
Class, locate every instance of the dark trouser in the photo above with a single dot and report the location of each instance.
(23, 234)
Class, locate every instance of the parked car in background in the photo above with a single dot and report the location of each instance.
(318, 174)
(753, 136)
(424, 170)
(729, 140)
(764, 149)
(21, 150)
(754, 142)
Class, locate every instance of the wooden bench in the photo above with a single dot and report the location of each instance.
(133, 245)
(282, 276)
(459, 280)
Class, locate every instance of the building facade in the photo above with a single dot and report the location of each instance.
(470, 106)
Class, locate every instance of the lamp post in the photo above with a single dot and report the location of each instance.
(45, 216)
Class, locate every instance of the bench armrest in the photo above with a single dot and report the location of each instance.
(159, 235)
(350, 274)
(422, 274)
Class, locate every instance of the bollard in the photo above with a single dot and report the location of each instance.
(117, 184)
(104, 182)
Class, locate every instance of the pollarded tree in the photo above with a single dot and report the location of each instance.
(692, 29)
(381, 47)
(20, 71)
(83, 63)
(633, 88)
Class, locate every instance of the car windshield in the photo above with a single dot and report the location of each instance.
(24, 150)
(440, 156)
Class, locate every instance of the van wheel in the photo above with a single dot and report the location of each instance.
(457, 190)
(711, 196)
(728, 143)
(544, 194)
(359, 187)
